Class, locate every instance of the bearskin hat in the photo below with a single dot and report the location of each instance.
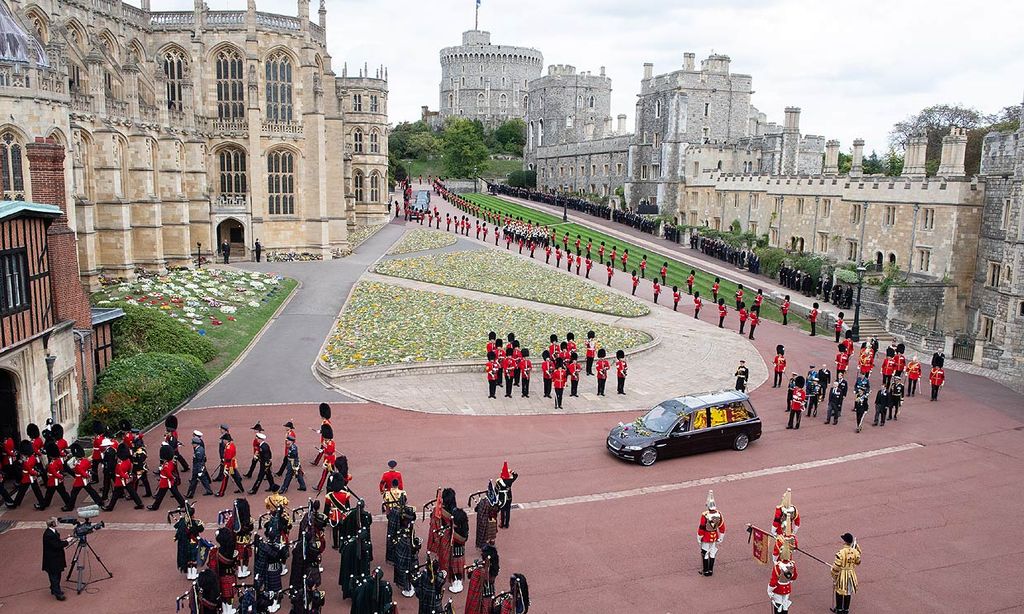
(243, 517)
(171, 423)
(57, 431)
(341, 465)
(800, 381)
(209, 585)
(25, 448)
(519, 580)
(125, 425)
(77, 450)
(938, 360)
(780, 349)
(848, 334)
(890, 352)
(448, 499)
(52, 450)
(842, 348)
(226, 540)
(901, 348)
(123, 453)
(166, 452)
(489, 552)
(98, 428)
(326, 431)
(325, 411)
(32, 430)
(227, 437)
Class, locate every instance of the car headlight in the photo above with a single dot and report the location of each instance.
(633, 448)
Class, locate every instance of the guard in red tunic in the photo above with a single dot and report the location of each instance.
(169, 479)
(611, 256)
(491, 369)
(391, 474)
(664, 273)
(743, 315)
(813, 318)
(573, 368)
(525, 369)
(636, 281)
(625, 258)
(697, 304)
(937, 378)
(780, 586)
(99, 434)
(611, 271)
(643, 267)
(758, 299)
(256, 429)
(230, 466)
(329, 454)
(839, 326)
(657, 291)
(675, 298)
(559, 376)
(710, 534)
(620, 371)
(866, 360)
(786, 512)
(913, 375)
(797, 402)
(508, 367)
(754, 319)
(603, 366)
(739, 296)
(325, 419)
(123, 484)
(785, 310)
(779, 365)
(289, 436)
(81, 468)
(714, 289)
(600, 252)
(591, 351)
(888, 366)
(547, 367)
(54, 477)
(842, 360)
(722, 311)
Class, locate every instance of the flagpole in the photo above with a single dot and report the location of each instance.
(476, 18)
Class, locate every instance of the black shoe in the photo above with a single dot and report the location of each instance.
(208, 493)
(150, 508)
(140, 506)
(38, 507)
(302, 489)
(67, 509)
(60, 597)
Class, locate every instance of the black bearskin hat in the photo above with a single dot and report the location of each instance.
(171, 423)
(77, 450)
(325, 411)
(57, 431)
(842, 348)
(126, 425)
(520, 580)
(490, 552)
(848, 334)
(780, 349)
(226, 540)
(209, 585)
(448, 499)
(901, 348)
(166, 453)
(800, 381)
(890, 352)
(341, 465)
(52, 450)
(32, 430)
(326, 431)
(98, 428)
(123, 453)
(25, 448)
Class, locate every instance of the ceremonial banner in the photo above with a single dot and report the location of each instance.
(762, 542)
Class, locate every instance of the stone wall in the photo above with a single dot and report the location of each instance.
(931, 306)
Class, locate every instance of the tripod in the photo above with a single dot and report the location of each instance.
(78, 565)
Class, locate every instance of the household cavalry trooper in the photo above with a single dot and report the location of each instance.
(781, 584)
(710, 533)
(786, 512)
(844, 573)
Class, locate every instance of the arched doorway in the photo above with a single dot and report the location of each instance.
(892, 259)
(232, 231)
(8, 405)
(879, 260)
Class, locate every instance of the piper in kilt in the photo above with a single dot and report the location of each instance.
(452, 546)
(480, 595)
(394, 500)
(429, 586)
(406, 547)
(186, 534)
(516, 600)
(487, 518)
(224, 562)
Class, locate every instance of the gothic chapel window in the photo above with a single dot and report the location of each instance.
(11, 165)
(230, 89)
(279, 87)
(174, 69)
(281, 182)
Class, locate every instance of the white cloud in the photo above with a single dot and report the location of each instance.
(854, 69)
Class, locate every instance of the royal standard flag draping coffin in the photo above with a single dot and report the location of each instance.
(762, 545)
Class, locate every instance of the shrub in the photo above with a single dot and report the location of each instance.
(145, 329)
(772, 259)
(145, 387)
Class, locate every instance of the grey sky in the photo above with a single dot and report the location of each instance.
(854, 69)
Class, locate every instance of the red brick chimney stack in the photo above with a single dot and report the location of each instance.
(46, 162)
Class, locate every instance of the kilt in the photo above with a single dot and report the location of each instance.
(394, 518)
(486, 523)
(480, 593)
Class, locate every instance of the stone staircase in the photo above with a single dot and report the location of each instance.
(869, 327)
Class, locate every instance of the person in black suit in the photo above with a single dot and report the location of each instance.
(54, 562)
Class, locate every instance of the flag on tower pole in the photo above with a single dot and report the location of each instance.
(476, 19)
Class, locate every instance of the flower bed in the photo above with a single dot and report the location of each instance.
(507, 275)
(384, 324)
(421, 240)
(357, 236)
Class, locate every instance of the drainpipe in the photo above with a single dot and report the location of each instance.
(913, 242)
(50, 359)
(814, 235)
(80, 336)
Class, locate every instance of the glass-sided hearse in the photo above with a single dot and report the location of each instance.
(687, 425)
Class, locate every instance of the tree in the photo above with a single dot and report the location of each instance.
(423, 146)
(522, 179)
(845, 162)
(465, 153)
(396, 170)
(872, 164)
(400, 135)
(510, 137)
(892, 163)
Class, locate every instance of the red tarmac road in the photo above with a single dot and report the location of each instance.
(937, 521)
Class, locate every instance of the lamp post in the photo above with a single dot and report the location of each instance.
(856, 311)
(50, 360)
(199, 255)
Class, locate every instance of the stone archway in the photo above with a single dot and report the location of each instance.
(8, 404)
(232, 231)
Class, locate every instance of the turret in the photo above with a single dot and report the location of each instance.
(954, 149)
(857, 162)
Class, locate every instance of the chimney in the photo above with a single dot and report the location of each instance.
(622, 124)
(954, 148)
(46, 158)
(607, 126)
(323, 15)
(792, 119)
(688, 62)
(913, 163)
(588, 131)
(602, 71)
(648, 70)
(857, 163)
(832, 157)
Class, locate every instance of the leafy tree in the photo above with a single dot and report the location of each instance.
(873, 164)
(510, 137)
(892, 163)
(845, 162)
(400, 135)
(423, 145)
(463, 146)
(396, 170)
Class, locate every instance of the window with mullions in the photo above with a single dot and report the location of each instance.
(281, 183)
(14, 296)
(230, 89)
(175, 67)
(232, 172)
(11, 165)
(278, 68)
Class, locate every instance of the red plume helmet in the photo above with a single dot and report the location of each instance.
(505, 475)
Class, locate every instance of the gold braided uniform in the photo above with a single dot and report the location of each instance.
(844, 570)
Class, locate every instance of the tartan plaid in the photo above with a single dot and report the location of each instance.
(406, 559)
(486, 523)
(429, 595)
(394, 520)
(480, 594)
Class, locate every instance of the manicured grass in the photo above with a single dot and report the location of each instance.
(385, 324)
(503, 274)
(435, 168)
(677, 271)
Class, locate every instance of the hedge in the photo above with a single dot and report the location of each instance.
(145, 329)
(145, 387)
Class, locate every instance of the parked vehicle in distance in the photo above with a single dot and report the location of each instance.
(687, 425)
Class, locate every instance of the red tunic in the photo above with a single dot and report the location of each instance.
(388, 477)
(937, 376)
(525, 366)
(779, 586)
(591, 348)
(722, 311)
(167, 474)
(29, 473)
(888, 366)
(785, 307)
(82, 469)
(602, 369)
(558, 379)
(621, 367)
(509, 365)
(842, 361)
(706, 536)
(492, 369)
(545, 369)
(797, 402)
(54, 473)
(914, 370)
(123, 473)
(813, 316)
(697, 303)
(230, 452)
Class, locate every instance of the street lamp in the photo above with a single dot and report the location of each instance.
(199, 255)
(856, 312)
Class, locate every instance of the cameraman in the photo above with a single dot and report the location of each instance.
(54, 562)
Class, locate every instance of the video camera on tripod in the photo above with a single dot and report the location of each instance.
(83, 524)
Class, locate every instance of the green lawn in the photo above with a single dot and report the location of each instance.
(435, 168)
(677, 271)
